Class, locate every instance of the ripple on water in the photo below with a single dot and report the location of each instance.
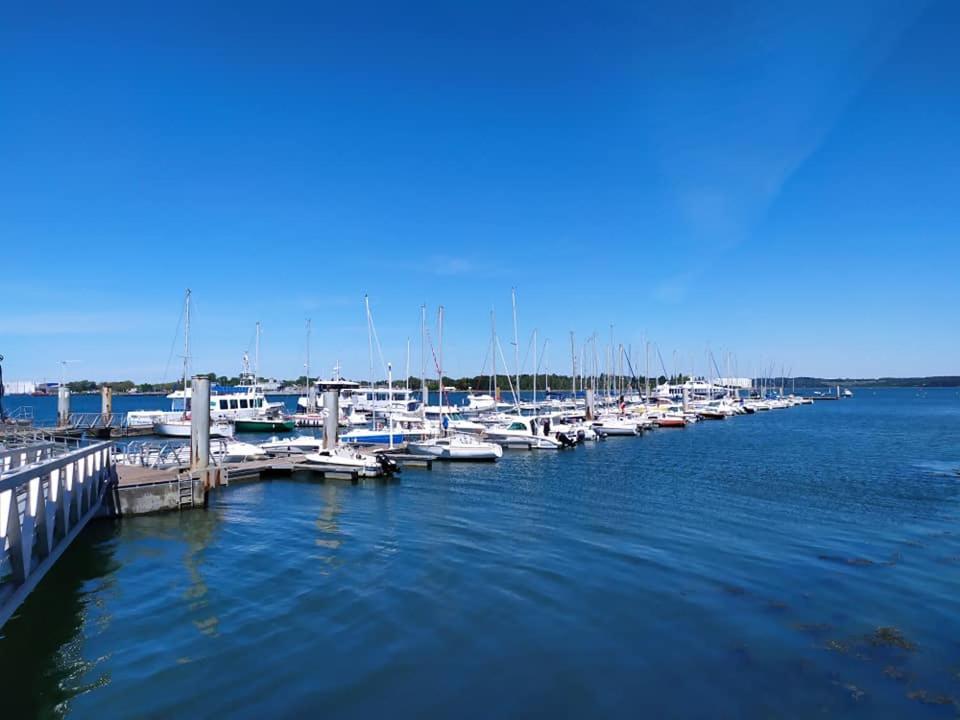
(741, 568)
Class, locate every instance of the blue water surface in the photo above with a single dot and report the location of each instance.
(743, 568)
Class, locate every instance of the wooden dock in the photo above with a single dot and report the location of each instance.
(144, 489)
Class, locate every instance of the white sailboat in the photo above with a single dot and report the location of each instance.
(457, 446)
(180, 424)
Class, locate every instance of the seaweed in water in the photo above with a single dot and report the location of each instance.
(813, 628)
(890, 637)
(922, 696)
(856, 694)
(858, 561)
(895, 673)
(733, 590)
(837, 646)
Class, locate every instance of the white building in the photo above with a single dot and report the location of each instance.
(20, 387)
(734, 382)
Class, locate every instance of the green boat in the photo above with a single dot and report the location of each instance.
(258, 425)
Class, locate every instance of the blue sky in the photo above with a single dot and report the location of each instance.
(774, 180)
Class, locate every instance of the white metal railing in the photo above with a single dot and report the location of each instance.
(43, 507)
(27, 455)
(93, 421)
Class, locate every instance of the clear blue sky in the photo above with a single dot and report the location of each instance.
(776, 180)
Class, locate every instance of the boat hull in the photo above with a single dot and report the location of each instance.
(182, 429)
(264, 426)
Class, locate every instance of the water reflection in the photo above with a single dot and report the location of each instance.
(330, 535)
(41, 646)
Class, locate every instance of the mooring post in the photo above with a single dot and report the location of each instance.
(590, 410)
(106, 402)
(684, 398)
(312, 399)
(63, 406)
(200, 428)
(331, 403)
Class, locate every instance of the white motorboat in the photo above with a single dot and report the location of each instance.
(233, 452)
(480, 403)
(350, 460)
(298, 445)
(458, 447)
(616, 425)
(181, 428)
(523, 433)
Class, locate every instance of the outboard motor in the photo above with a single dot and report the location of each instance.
(564, 440)
(389, 465)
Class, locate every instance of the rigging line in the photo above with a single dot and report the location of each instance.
(527, 356)
(513, 393)
(173, 343)
(485, 358)
(372, 330)
(436, 362)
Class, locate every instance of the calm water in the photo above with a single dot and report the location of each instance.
(730, 569)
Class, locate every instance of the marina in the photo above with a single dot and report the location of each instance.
(509, 360)
(625, 549)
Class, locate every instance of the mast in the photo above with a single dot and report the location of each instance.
(493, 352)
(311, 402)
(366, 304)
(440, 363)
(573, 364)
(186, 349)
(424, 393)
(516, 345)
(406, 382)
(536, 412)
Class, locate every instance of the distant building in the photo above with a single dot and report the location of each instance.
(20, 387)
(734, 382)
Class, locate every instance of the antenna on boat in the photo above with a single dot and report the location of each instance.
(256, 357)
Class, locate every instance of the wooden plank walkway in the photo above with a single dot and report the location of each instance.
(251, 470)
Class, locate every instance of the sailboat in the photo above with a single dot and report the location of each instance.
(180, 424)
(457, 446)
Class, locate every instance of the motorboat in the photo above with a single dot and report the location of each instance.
(233, 452)
(352, 460)
(181, 428)
(480, 403)
(264, 424)
(299, 445)
(616, 425)
(457, 447)
(524, 433)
